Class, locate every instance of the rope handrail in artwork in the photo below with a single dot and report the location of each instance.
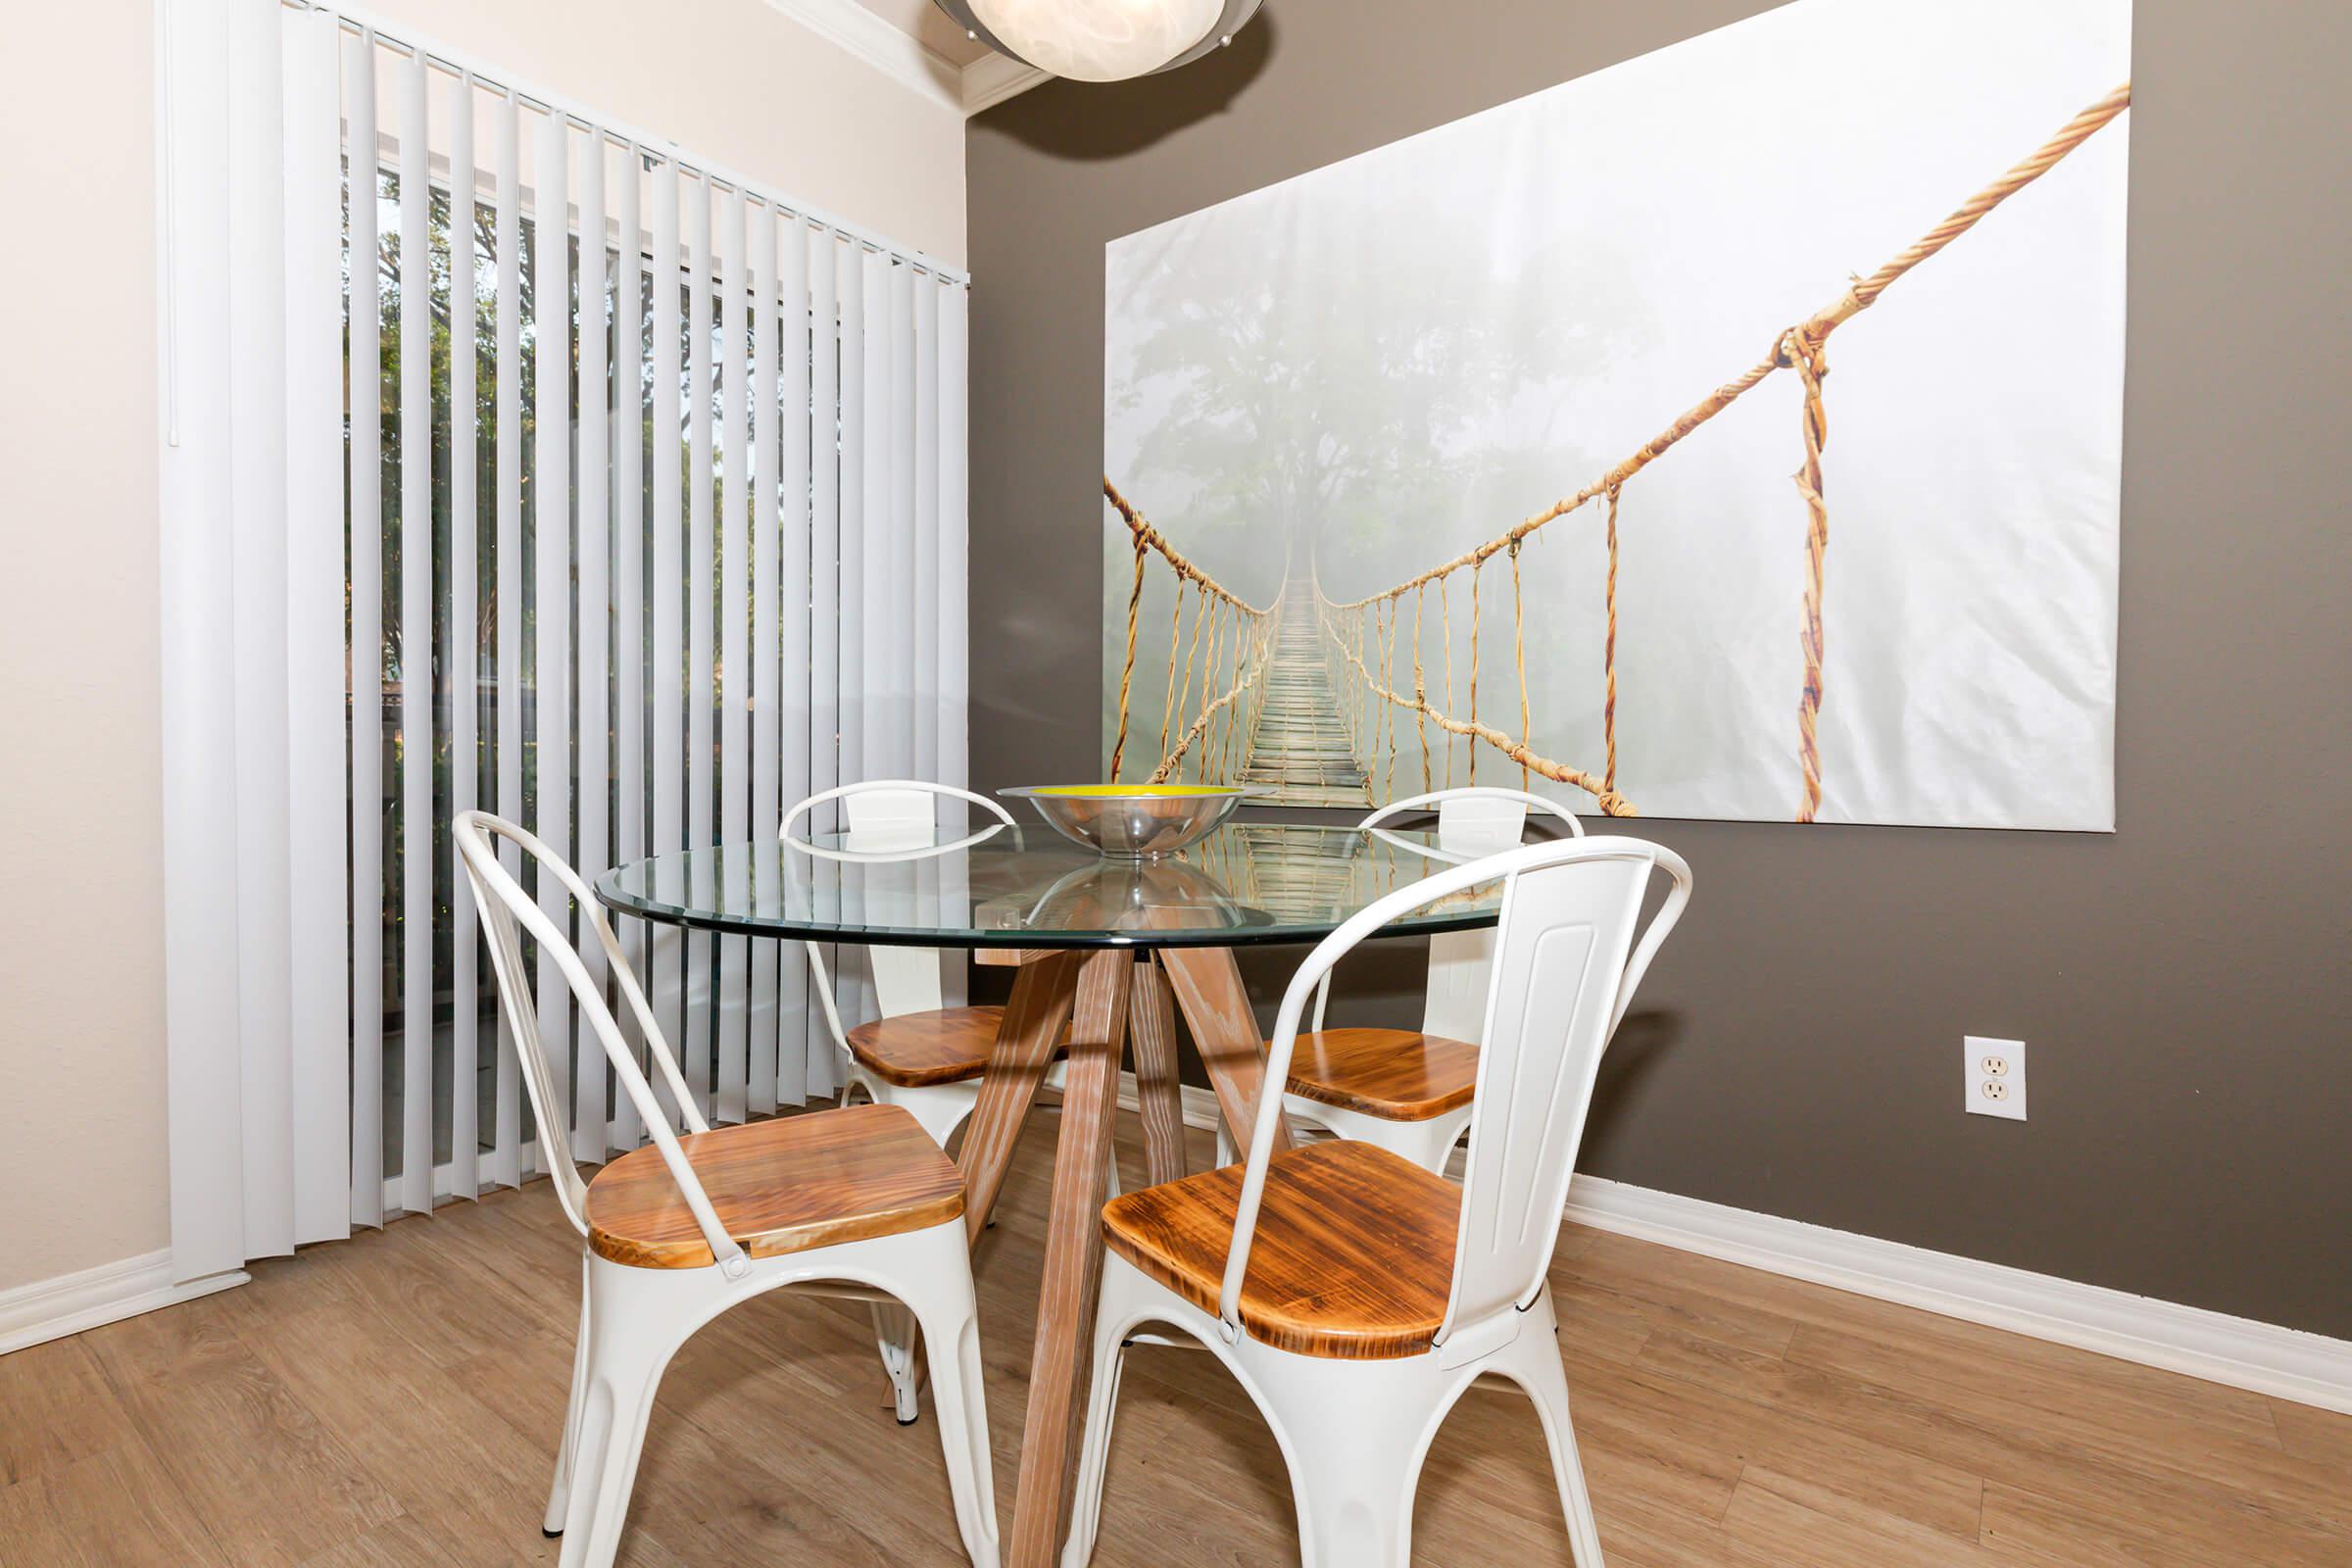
(1799, 348)
(1237, 636)
(1610, 801)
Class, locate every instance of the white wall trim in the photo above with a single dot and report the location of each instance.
(2306, 1368)
(993, 77)
(905, 59)
(2239, 1352)
(51, 1310)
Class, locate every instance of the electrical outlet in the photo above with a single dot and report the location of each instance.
(1993, 1077)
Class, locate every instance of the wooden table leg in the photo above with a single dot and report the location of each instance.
(1208, 988)
(1152, 1034)
(1058, 1361)
(1041, 993)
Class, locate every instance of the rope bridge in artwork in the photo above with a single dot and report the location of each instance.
(1238, 637)
(1358, 638)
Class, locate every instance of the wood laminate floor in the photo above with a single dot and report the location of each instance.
(395, 1400)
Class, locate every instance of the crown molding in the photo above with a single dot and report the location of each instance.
(905, 60)
(992, 78)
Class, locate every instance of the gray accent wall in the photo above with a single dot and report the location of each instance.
(2184, 985)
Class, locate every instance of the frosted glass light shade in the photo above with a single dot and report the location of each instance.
(1099, 40)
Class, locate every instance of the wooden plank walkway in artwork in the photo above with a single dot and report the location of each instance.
(1300, 748)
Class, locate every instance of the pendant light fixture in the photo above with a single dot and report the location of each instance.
(1101, 41)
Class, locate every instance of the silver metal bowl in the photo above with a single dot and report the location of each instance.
(1133, 821)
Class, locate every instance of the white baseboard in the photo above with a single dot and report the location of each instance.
(51, 1310)
(2306, 1368)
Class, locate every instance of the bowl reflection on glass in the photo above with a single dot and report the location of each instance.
(1133, 821)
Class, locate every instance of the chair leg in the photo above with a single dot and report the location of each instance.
(1430, 1143)
(1355, 1434)
(940, 1110)
(1534, 1363)
(634, 1321)
(950, 1328)
(559, 1495)
(1427, 1144)
(1118, 1309)
(895, 1334)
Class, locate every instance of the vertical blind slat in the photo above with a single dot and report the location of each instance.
(954, 765)
(366, 577)
(850, 974)
(628, 494)
(589, 1115)
(701, 547)
(669, 942)
(824, 603)
(551, 556)
(766, 720)
(891, 985)
(417, 815)
(795, 677)
(923, 704)
(465, 641)
(195, 548)
(926, 572)
(318, 1016)
(256, 474)
(506, 1158)
(879, 753)
(734, 656)
(898, 617)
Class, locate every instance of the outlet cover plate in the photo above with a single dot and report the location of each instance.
(1994, 1083)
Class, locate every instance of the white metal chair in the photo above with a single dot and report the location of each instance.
(919, 1054)
(855, 1203)
(1408, 1091)
(1354, 1294)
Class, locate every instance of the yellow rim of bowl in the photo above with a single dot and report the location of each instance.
(1132, 791)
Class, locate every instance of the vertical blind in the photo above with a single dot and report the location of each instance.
(513, 459)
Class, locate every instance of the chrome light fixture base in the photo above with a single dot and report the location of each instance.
(1230, 20)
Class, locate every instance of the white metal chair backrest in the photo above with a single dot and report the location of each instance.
(502, 902)
(1566, 968)
(883, 815)
(1476, 820)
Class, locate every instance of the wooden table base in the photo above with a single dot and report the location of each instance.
(1106, 997)
(1042, 995)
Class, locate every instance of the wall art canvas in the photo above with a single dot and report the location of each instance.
(1735, 432)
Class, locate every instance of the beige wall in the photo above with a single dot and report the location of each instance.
(81, 1049)
(82, 1043)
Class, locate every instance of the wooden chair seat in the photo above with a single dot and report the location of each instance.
(1393, 1074)
(780, 1185)
(1354, 1257)
(915, 1049)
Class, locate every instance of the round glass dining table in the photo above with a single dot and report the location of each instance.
(1072, 925)
(1017, 887)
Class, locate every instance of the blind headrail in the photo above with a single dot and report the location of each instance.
(403, 39)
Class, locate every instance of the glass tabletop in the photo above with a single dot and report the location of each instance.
(1028, 887)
